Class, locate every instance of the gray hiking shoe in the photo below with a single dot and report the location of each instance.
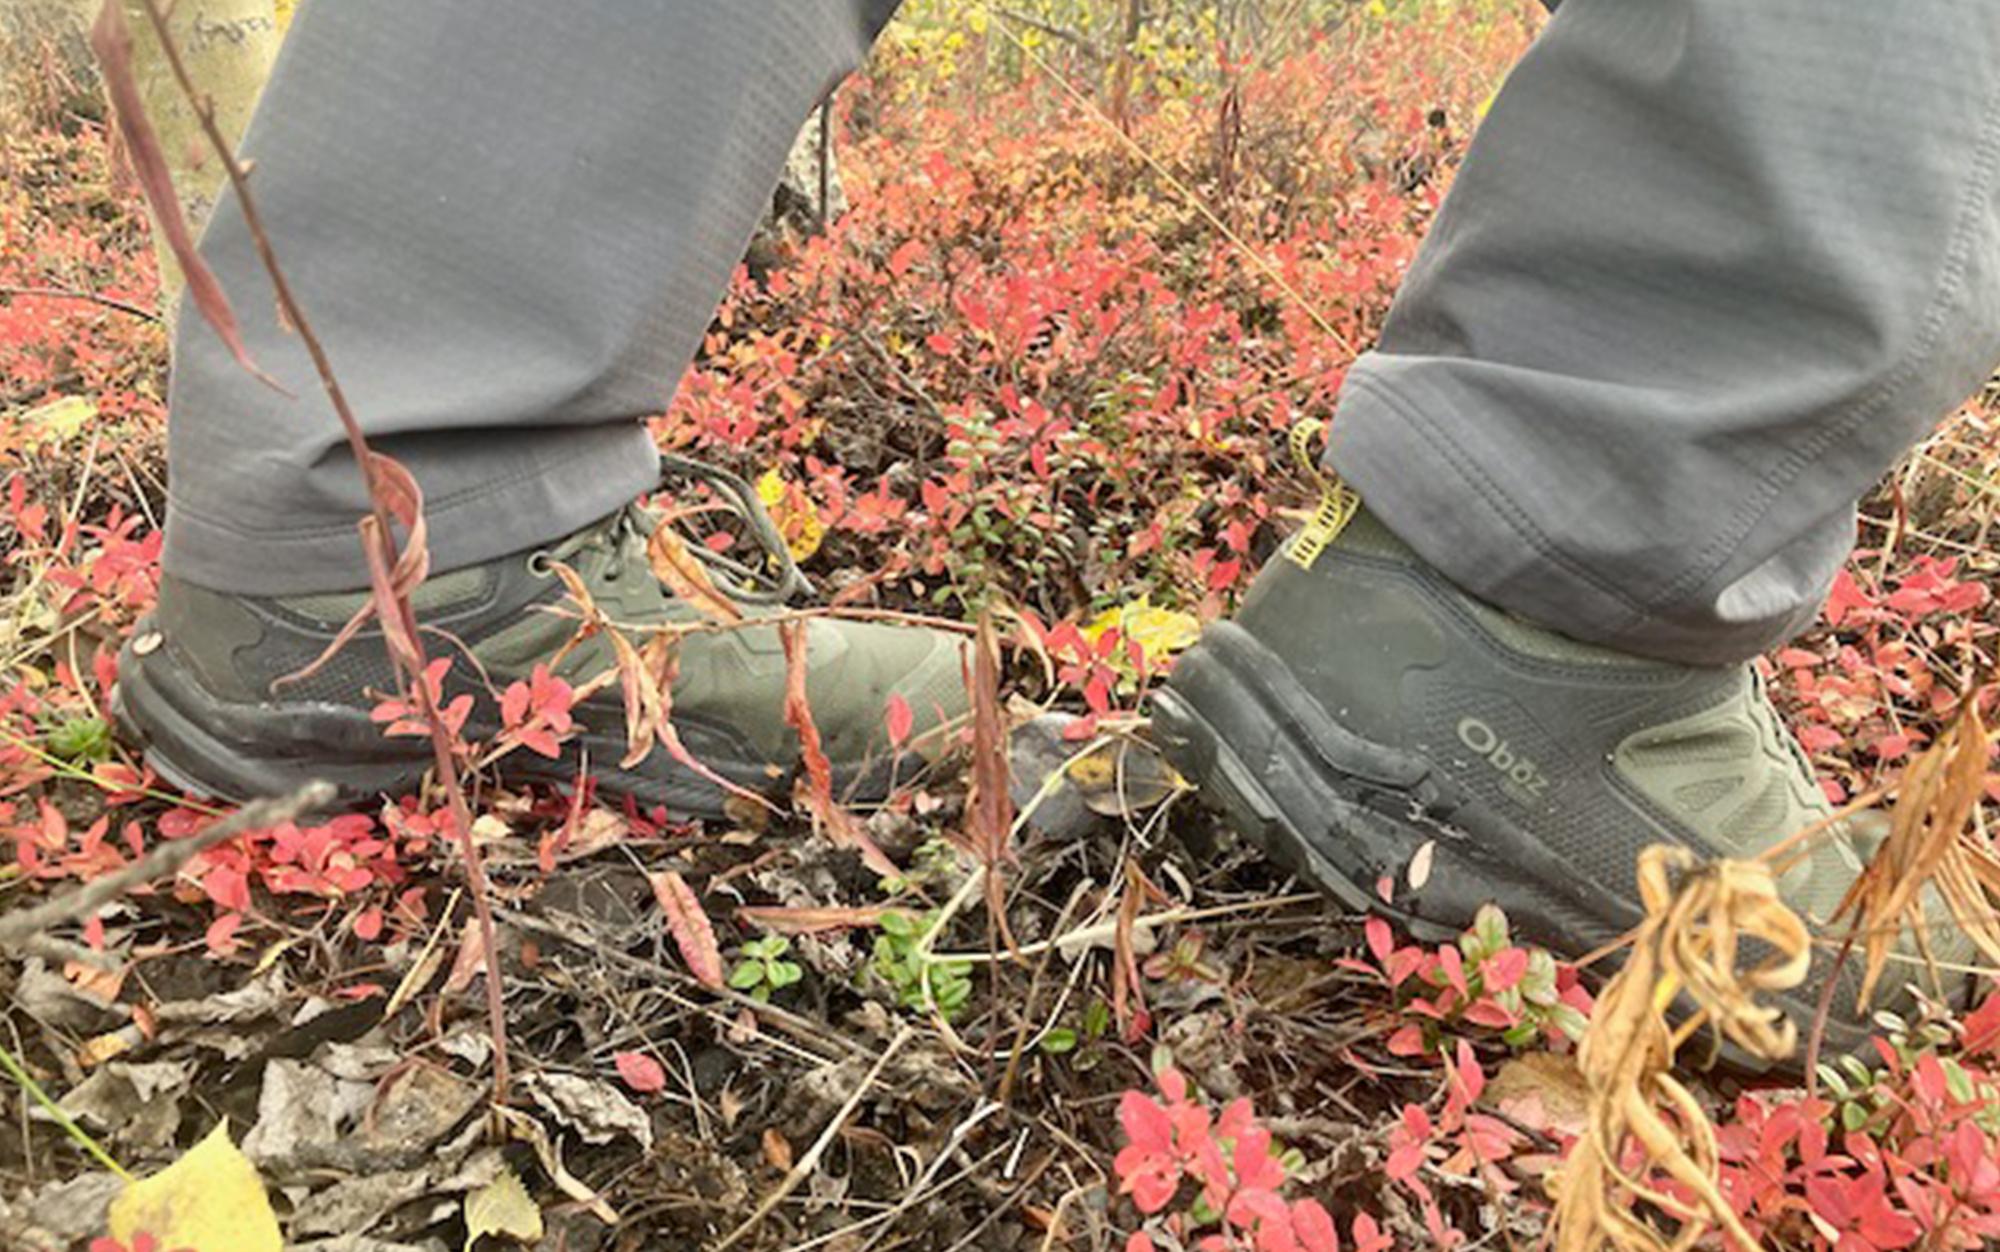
(198, 683)
(1361, 709)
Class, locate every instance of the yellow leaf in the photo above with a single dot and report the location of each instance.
(502, 1207)
(59, 420)
(210, 1200)
(1159, 632)
(795, 516)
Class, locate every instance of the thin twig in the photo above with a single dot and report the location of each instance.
(162, 861)
(810, 1161)
(91, 297)
(380, 543)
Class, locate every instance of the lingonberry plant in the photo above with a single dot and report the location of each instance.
(1484, 980)
(1215, 1181)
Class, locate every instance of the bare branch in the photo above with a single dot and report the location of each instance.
(18, 927)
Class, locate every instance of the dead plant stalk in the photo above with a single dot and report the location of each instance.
(393, 574)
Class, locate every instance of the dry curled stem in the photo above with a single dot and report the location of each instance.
(1933, 839)
(1646, 1131)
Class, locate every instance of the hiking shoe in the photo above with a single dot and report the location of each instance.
(198, 684)
(1362, 716)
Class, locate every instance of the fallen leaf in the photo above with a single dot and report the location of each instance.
(210, 1200)
(811, 921)
(1541, 1091)
(59, 419)
(777, 1150)
(792, 513)
(502, 1207)
(597, 1111)
(641, 1072)
(1420, 865)
(692, 932)
(1159, 632)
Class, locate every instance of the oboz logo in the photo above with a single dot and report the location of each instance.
(1487, 744)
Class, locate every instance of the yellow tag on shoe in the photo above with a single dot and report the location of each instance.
(1337, 503)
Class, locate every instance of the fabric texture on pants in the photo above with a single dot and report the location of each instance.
(1708, 269)
(510, 224)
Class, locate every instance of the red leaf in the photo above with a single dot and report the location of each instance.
(1368, 1236)
(368, 925)
(692, 932)
(221, 936)
(229, 888)
(1145, 1123)
(1505, 969)
(1408, 1041)
(641, 1072)
(1314, 1227)
(1381, 942)
(1255, 1166)
(899, 719)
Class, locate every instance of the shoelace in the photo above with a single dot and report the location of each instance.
(779, 581)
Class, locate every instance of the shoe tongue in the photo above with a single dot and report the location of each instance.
(602, 533)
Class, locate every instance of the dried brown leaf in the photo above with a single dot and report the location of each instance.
(692, 932)
(686, 576)
(1697, 919)
(990, 808)
(1933, 841)
(816, 789)
(391, 589)
(811, 921)
(645, 680)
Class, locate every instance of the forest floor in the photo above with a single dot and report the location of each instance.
(1031, 370)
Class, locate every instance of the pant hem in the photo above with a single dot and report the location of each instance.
(468, 528)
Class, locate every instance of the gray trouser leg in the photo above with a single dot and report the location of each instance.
(510, 224)
(1711, 266)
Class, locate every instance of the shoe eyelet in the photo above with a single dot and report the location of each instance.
(538, 563)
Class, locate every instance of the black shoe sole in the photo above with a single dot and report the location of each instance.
(239, 752)
(1343, 814)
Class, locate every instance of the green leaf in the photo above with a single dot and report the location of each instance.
(1490, 925)
(1853, 1116)
(81, 740)
(899, 924)
(1096, 1019)
(1957, 1081)
(1538, 985)
(1566, 1019)
(1058, 1041)
(746, 975)
(784, 974)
